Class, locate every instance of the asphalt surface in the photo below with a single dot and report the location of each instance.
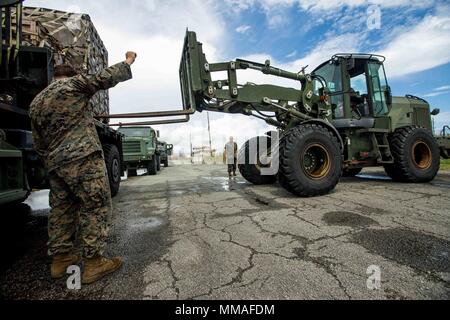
(191, 233)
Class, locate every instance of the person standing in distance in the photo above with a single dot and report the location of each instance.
(230, 154)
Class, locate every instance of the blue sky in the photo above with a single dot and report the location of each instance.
(414, 36)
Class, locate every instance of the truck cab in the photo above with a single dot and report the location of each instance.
(363, 108)
(164, 150)
(140, 149)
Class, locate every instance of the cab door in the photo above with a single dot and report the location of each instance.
(378, 87)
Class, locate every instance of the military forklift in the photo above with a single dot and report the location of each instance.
(341, 119)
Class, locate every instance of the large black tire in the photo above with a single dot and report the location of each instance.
(113, 166)
(252, 172)
(310, 160)
(351, 172)
(132, 172)
(416, 155)
(166, 162)
(152, 167)
(158, 163)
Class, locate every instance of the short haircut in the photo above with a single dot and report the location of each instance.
(64, 70)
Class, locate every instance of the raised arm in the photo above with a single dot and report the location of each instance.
(107, 78)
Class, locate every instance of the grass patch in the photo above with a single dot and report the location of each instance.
(445, 164)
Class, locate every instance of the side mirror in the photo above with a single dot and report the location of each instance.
(157, 133)
(435, 112)
(388, 93)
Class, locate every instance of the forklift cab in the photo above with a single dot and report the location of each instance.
(358, 89)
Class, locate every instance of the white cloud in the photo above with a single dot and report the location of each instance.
(320, 5)
(422, 47)
(447, 87)
(243, 29)
(436, 93)
(292, 54)
(348, 42)
(275, 10)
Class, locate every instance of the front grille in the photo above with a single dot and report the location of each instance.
(131, 147)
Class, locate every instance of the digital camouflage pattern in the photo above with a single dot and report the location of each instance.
(81, 205)
(65, 137)
(72, 39)
(62, 118)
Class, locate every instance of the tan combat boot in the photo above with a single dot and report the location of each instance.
(98, 267)
(61, 262)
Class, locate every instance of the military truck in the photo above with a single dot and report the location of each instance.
(32, 42)
(164, 150)
(444, 142)
(140, 148)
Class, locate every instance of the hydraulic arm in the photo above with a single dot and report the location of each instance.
(279, 106)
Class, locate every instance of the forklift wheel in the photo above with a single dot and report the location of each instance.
(250, 166)
(416, 155)
(310, 160)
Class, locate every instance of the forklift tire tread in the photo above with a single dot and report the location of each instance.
(302, 141)
(249, 171)
(416, 155)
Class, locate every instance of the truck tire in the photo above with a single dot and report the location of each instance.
(416, 155)
(152, 168)
(248, 167)
(132, 172)
(166, 163)
(351, 172)
(158, 163)
(113, 165)
(310, 160)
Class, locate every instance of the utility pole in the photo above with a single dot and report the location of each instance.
(192, 151)
(210, 141)
(209, 132)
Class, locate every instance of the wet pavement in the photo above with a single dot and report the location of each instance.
(191, 233)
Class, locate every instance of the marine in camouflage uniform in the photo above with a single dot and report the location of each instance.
(66, 139)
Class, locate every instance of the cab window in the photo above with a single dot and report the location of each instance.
(331, 73)
(378, 86)
(358, 93)
(135, 132)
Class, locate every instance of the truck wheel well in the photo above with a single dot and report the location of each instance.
(328, 126)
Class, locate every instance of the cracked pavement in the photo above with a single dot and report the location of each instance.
(191, 233)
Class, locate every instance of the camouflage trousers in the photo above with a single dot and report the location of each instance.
(80, 201)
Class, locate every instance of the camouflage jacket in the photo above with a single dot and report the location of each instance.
(62, 119)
